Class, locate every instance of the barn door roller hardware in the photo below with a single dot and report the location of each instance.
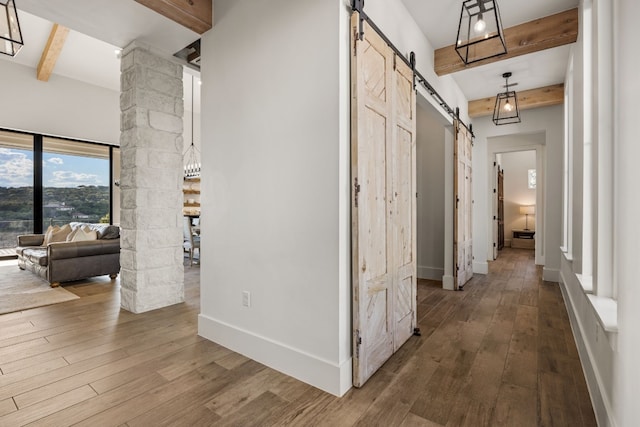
(358, 6)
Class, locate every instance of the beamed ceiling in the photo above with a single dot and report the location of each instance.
(539, 35)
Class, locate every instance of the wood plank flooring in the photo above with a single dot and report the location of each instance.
(499, 353)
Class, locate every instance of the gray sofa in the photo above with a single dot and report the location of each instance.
(66, 261)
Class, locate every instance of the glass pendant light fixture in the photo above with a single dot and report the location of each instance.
(10, 35)
(480, 34)
(191, 156)
(506, 109)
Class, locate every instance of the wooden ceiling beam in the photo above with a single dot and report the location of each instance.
(51, 52)
(527, 99)
(197, 15)
(533, 36)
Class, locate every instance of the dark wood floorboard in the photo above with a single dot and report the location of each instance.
(499, 353)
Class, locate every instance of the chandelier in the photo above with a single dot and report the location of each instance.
(191, 156)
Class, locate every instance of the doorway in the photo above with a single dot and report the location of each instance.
(516, 201)
(499, 150)
(434, 148)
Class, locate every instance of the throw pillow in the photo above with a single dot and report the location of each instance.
(60, 234)
(85, 234)
(47, 234)
(109, 232)
(72, 234)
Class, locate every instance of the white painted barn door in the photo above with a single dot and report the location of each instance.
(462, 246)
(384, 202)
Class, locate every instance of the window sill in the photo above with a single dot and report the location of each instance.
(586, 282)
(607, 311)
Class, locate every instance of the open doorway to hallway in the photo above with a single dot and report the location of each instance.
(499, 150)
(515, 200)
(434, 169)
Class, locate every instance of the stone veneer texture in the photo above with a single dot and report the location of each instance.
(151, 125)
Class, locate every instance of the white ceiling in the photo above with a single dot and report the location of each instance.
(99, 27)
(117, 22)
(82, 58)
(438, 20)
(90, 59)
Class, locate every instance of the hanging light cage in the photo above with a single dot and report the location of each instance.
(480, 33)
(10, 35)
(506, 110)
(191, 156)
(192, 164)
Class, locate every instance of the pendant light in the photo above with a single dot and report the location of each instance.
(480, 34)
(191, 155)
(10, 35)
(506, 109)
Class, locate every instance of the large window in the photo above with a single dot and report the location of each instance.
(46, 180)
(75, 180)
(16, 186)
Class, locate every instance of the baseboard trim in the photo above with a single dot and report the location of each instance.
(448, 283)
(430, 273)
(481, 267)
(601, 406)
(550, 274)
(323, 374)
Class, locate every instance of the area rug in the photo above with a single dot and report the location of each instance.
(21, 290)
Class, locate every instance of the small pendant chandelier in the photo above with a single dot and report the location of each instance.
(10, 35)
(506, 109)
(480, 33)
(191, 156)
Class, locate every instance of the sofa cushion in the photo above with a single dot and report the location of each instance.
(47, 234)
(36, 255)
(108, 232)
(75, 230)
(56, 234)
(81, 234)
(105, 231)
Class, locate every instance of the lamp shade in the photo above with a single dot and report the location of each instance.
(10, 35)
(528, 210)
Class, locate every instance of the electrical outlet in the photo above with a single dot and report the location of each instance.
(246, 299)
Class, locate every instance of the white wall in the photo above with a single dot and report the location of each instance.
(541, 129)
(276, 183)
(602, 85)
(596, 347)
(626, 206)
(270, 188)
(430, 148)
(516, 190)
(59, 107)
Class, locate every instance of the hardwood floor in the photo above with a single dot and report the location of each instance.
(500, 353)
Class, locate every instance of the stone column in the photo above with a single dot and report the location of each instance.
(151, 257)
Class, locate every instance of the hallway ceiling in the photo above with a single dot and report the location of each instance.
(99, 28)
(438, 20)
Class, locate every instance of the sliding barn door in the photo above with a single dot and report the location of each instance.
(462, 247)
(383, 206)
(500, 209)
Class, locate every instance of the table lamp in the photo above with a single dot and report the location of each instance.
(527, 210)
